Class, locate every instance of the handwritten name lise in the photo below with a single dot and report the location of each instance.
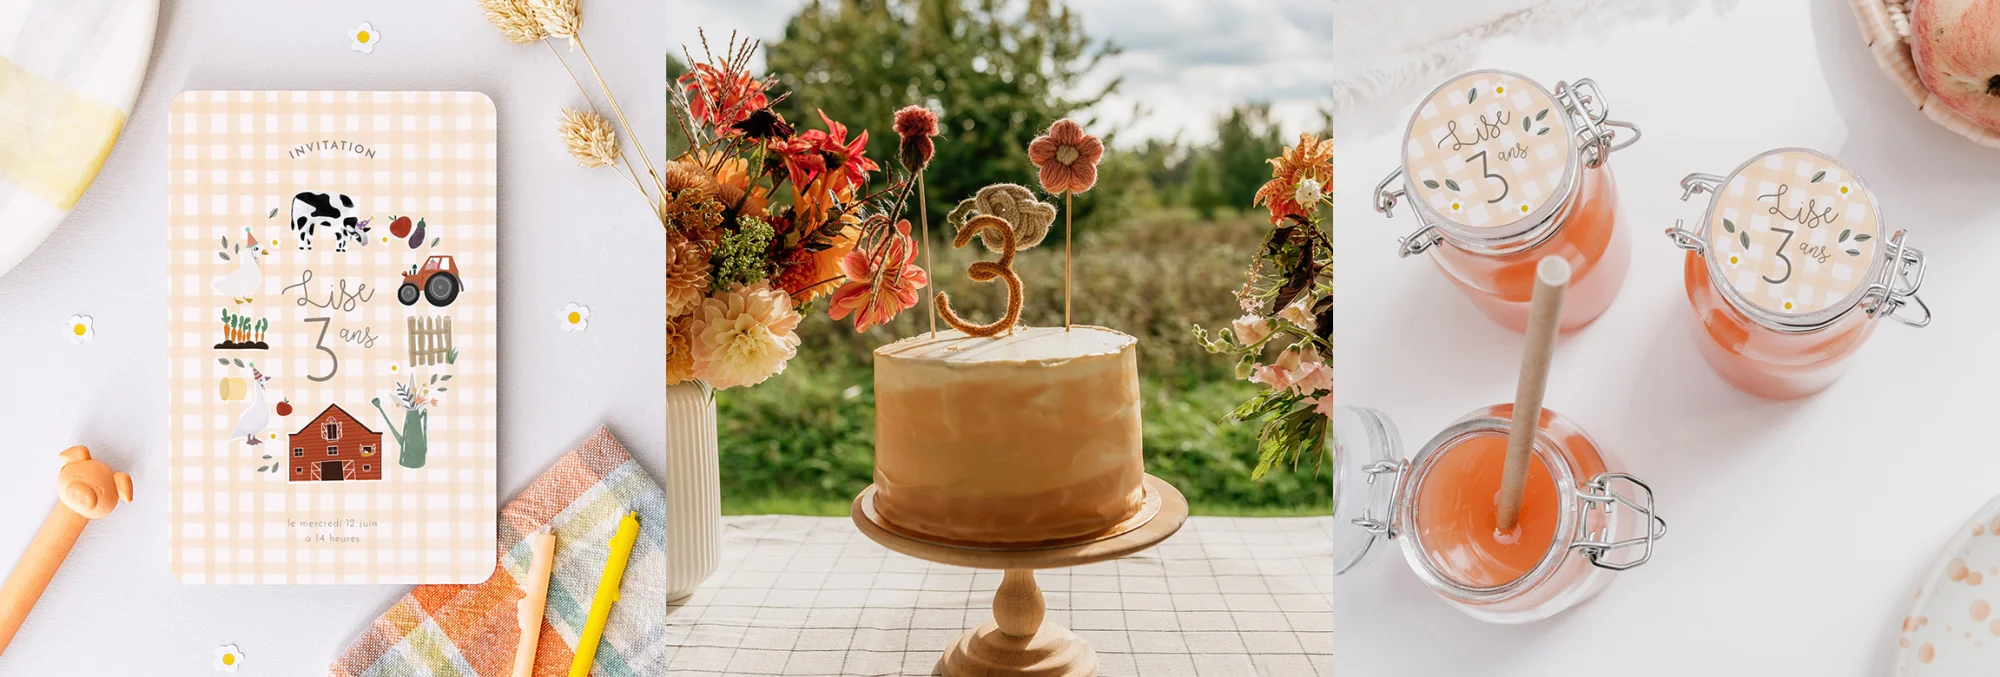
(338, 297)
(1487, 129)
(1810, 214)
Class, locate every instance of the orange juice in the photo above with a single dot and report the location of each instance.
(1502, 173)
(1588, 237)
(1762, 362)
(1577, 510)
(1458, 503)
(1788, 271)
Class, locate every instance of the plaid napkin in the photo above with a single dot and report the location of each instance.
(472, 629)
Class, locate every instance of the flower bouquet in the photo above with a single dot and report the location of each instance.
(1287, 302)
(762, 220)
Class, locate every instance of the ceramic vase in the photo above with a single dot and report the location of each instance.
(694, 489)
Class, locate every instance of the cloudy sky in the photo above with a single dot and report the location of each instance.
(1187, 60)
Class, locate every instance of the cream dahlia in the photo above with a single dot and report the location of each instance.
(744, 336)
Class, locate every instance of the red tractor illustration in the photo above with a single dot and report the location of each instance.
(438, 280)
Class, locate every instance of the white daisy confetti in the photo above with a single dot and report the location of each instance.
(80, 329)
(227, 658)
(575, 317)
(365, 36)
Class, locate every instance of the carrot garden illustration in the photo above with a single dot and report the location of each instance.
(243, 332)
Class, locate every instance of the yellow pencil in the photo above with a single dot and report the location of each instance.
(607, 592)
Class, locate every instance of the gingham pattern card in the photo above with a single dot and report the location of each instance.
(1488, 149)
(331, 337)
(1794, 232)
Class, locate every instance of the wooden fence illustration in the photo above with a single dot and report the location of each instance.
(430, 340)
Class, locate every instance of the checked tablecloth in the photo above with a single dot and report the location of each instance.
(812, 596)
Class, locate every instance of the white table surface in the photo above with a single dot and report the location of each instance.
(1798, 529)
(566, 235)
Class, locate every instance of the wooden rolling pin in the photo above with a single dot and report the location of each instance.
(88, 490)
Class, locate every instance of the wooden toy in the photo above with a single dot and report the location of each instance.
(88, 490)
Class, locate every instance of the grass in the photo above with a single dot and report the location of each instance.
(803, 442)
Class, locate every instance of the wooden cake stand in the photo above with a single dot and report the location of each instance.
(1016, 643)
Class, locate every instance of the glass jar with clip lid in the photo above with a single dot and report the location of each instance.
(1501, 173)
(1582, 520)
(1788, 270)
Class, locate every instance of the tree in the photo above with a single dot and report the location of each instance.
(998, 72)
(1245, 140)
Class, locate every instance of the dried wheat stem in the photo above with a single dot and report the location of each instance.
(619, 110)
(630, 173)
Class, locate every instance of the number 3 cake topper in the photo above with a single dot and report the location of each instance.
(987, 271)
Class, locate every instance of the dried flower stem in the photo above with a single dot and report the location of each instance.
(924, 217)
(620, 111)
(631, 175)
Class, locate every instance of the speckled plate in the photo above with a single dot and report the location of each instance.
(1953, 629)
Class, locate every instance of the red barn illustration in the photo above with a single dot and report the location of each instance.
(333, 447)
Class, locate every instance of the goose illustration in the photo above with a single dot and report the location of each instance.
(239, 285)
(257, 416)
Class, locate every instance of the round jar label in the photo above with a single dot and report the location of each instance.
(1793, 232)
(1489, 150)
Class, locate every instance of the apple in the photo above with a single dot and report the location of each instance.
(284, 407)
(1956, 46)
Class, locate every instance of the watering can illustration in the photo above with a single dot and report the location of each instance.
(413, 438)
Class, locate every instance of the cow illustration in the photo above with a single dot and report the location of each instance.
(312, 211)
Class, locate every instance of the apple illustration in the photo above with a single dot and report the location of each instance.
(1956, 46)
(284, 407)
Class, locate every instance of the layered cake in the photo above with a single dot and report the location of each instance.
(1027, 436)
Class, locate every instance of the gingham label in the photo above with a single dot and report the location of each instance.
(1487, 150)
(1794, 232)
(270, 513)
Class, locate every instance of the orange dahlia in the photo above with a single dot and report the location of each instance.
(680, 349)
(808, 275)
(732, 180)
(1311, 160)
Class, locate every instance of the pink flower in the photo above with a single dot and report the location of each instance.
(1250, 328)
(1275, 376)
(879, 289)
(1324, 405)
(1300, 371)
(1067, 158)
(916, 125)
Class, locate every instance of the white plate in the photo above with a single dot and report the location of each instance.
(94, 52)
(1953, 628)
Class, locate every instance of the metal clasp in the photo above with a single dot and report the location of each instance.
(1898, 284)
(1379, 526)
(1586, 104)
(1695, 240)
(1385, 202)
(1599, 496)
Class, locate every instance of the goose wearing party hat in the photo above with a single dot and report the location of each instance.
(257, 416)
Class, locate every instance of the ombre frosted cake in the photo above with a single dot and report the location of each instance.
(1027, 436)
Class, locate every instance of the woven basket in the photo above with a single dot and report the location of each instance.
(1892, 53)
